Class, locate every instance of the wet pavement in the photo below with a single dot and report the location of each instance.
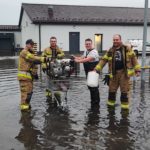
(76, 125)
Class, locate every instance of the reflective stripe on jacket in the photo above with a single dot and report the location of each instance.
(24, 74)
(26, 64)
(48, 53)
(129, 59)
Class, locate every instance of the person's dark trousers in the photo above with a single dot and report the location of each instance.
(94, 92)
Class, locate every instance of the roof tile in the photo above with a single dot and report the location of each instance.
(83, 14)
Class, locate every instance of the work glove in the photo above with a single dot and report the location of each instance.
(47, 59)
(72, 57)
(106, 79)
(36, 77)
(44, 70)
(59, 56)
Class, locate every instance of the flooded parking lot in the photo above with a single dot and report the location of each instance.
(75, 126)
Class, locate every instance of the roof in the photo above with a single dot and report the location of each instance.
(9, 28)
(72, 14)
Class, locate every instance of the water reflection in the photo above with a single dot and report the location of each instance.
(142, 120)
(76, 125)
(91, 130)
(28, 134)
(8, 63)
(118, 137)
(57, 131)
(60, 87)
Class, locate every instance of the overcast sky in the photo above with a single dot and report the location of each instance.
(10, 9)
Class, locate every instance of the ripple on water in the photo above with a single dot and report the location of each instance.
(77, 125)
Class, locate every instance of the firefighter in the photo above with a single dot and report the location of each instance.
(123, 64)
(53, 52)
(90, 59)
(27, 60)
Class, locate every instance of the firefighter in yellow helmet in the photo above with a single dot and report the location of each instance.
(123, 64)
(53, 52)
(27, 60)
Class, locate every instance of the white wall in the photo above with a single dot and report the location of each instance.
(62, 34)
(18, 39)
(28, 30)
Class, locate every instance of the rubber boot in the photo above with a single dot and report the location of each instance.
(48, 94)
(24, 107)
(95, 98)
(111, 99)
(124, 101)
(57, 96)
(29, 96)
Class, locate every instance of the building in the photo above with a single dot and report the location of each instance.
(73, 24)
(10, 39)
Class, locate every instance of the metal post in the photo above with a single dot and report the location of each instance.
(39, 38)
(40, 48)
(144, 41)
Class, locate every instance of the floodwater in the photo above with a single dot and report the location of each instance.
(74, 126)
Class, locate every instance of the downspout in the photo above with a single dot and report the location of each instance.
(40, 53)
(39, 38)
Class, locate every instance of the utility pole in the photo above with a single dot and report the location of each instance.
(144, 41)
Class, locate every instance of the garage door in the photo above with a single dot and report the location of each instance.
(6, 45)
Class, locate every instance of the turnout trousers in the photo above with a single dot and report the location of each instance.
(120, 79)
(26, 89)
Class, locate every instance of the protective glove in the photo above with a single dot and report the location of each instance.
(44, 70)
(59, 56)
(72, 57)
(47, 59)
(106, 79)
(36, 77)
(72, 63)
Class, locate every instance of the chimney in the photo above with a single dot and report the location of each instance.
(50, 11)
